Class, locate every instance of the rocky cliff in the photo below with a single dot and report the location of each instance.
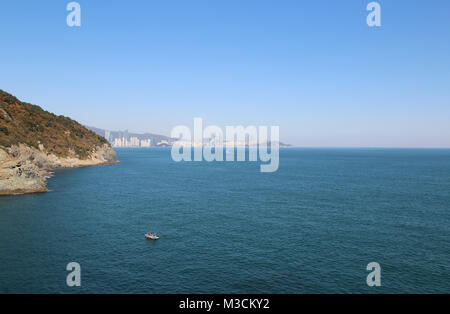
(34, 141)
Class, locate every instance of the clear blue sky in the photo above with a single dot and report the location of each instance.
(312, 67)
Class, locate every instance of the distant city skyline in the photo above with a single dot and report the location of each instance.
(313, 68)
(126, 139)
(132, 142)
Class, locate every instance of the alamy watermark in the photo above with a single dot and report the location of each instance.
(374, 17)
(74, 17)
(211, 144)
(374, 277)
(73, 279)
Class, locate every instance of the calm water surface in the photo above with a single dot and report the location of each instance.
(311, 227)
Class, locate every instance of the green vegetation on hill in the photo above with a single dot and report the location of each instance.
(21, 122)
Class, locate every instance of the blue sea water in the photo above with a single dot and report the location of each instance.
(311, 227)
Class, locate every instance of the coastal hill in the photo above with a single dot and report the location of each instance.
(34, 141)
(28, 124)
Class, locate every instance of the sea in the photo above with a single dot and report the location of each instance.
(313, 226)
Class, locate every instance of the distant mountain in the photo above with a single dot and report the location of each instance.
(281, 145)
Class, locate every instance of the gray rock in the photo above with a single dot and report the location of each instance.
(24, 169)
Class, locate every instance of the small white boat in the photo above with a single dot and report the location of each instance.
(151, 236)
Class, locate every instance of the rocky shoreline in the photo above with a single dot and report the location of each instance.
(25, 169)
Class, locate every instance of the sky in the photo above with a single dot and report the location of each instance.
(313, 68)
